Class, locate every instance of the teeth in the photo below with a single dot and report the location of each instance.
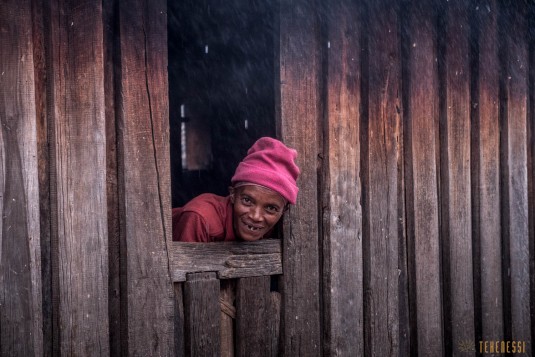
(251, 228)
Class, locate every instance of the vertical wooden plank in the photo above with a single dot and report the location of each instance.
(43, 164)
(382, 206)
(253, 331)
(342, 225)
(179, 320)
(20, 259)
(456, 223)
(531, 159)
(274, 322)
(486, 184)
(514, 169)
(298, 128)
(422, 201)
(145, 197)
(52, 253)
(79, 192)
(228, 315)
(202, 320)
(110, 25)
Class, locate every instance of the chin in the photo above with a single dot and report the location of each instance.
(249, 238)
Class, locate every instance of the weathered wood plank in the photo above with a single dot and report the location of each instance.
(202, 315)
(531, 161)
(342, 225)
(227, 298)
(456, 223)
(112, 191)
(144, 174)
(514, 170)
(43, 161)
(274, 320)
(253, 331)
(228, 259)
(79, 182)
(298, 128)
(52, 252)
(20, 251)
(421, 128)
(383, 207)
(179, 320)
(486, 183)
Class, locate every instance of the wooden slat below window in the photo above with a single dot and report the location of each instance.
(229, 259)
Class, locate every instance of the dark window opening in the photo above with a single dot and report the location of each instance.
(221, 89)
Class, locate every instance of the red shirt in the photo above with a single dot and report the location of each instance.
(206, 218)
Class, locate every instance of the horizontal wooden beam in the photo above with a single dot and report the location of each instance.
(229, 259)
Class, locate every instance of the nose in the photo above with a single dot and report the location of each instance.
(255, 214)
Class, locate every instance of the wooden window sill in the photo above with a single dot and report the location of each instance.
(228, 259)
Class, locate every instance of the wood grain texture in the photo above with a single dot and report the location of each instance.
(253, 330)
(298, 128)
(487, 225)
(202, 319)
(342, 225)
(456, 223)
(229, 260)
(179, 320)
(20, 251)
(79, 181)
(109, 16)
(421, 156)
(144, 179)
(43, 163)
(274, 321)
(382, 207)
(227, 296)
(514, 169)
(531, 161)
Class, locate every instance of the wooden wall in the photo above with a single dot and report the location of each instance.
(20, 252)
(414, 122)
(85, 179)
(443, 116)
(414, 231)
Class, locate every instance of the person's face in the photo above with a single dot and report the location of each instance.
(256, 210)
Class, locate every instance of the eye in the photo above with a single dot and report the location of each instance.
(272, 209)
(246, 201)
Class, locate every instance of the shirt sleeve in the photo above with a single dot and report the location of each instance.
(189, 227)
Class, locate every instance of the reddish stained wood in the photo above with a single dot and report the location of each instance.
(144, 175)
(455, 172)
(20, 252)
(79, 184)
(298, 128)
(383, 207)
(421, 151)
(515, 195)
(487, 184)
(342, 225)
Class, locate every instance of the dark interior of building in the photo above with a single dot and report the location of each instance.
(221, 89)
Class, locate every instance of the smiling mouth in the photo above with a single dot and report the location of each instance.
(252, 228)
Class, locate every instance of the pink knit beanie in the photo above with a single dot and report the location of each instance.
(271, 164)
